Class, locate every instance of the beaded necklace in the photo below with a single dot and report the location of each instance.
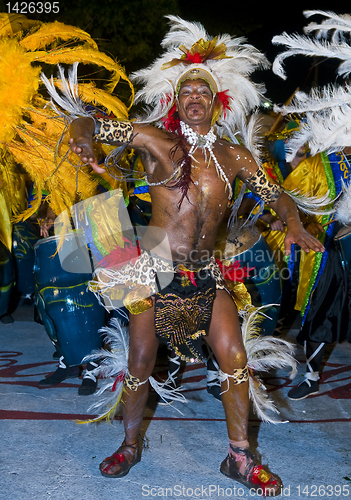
(205, 142)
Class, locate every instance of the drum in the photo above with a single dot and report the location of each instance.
(343, 243)
(25, 235)
(7, 278)
(70, 313)
(248, 246)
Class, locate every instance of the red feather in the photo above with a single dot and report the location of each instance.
(224, 99)
(234, 272)
(194, 58)
(120, 256)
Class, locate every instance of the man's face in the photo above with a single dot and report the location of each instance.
(195, 102)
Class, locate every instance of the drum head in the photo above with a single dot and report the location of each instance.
(344, 231)
(71, 250)
(236, 241)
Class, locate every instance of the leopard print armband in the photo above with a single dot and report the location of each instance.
(112, 131)
(260, 185)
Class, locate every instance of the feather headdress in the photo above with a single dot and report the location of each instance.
(223, 61)
(337, 48)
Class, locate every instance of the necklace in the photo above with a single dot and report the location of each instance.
(205, 142)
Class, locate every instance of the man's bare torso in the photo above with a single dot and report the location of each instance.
(192, 228)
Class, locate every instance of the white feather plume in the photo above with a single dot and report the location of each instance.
(114, 367)
(337, 48)
(264, 353)
(68, 100)
(312, 205)
(302, 45)
(338, 23)
(113, 363)
(326, 120)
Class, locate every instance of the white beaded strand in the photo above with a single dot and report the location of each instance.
(205, 142)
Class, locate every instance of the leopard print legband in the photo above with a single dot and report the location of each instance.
(132, 383)
(239, 376)
(112, 130)
(260, 185)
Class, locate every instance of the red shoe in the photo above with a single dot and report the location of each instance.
(255, 477)
(120, 463)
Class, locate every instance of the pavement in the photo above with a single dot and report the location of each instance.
(45, 454)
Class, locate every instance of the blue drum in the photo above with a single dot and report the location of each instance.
(247, 245)
(7, 278)
(24, 237)
(70, 313)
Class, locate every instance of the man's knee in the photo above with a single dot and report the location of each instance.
(141, 362)
(233, 358)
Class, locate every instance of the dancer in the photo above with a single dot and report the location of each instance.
(190, 169)
(324, 280)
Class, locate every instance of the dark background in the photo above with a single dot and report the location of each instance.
(131, 31)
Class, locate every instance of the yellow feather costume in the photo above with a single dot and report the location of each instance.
(31, 134)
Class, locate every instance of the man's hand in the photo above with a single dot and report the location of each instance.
(81, 142)
(314, 228)
(45, 225)
(297, 234)
(287, 211)
(277, 225)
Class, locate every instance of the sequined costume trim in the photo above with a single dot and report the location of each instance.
(107, 130)
(260, 185)
(134, 283)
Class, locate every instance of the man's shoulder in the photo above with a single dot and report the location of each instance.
(233, 148)
(233, 145)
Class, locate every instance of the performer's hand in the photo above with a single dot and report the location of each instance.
(81, 142)
(297, 234)
(314, 228)
(277, 225)
(45, 225)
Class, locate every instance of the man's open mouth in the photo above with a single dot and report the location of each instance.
(194, 105)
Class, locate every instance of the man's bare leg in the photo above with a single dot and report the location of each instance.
(225, 339)
(143, 346)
